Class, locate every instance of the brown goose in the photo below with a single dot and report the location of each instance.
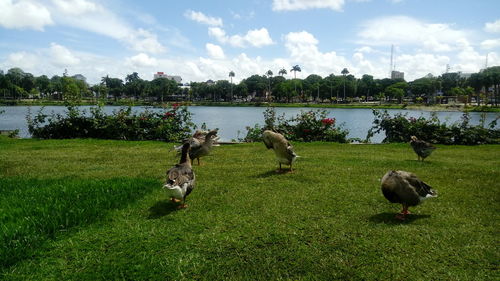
(201, 149)
(405, 188)
(181, 178)
(421, 148)
(282, 148)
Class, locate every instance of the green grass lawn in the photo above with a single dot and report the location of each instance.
(96, 210)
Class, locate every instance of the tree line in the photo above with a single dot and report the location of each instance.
(344, 88)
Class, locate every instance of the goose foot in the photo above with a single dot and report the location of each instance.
(175, 200)
(400, 217)
(182, 206)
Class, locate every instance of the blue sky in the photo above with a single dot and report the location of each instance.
(201, 40)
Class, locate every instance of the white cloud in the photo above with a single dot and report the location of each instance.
(141, 60)
(294, 5)
(202, 18)
(24, 14)
(144, 41)
(76, 7)
(493, 27)
(303, 50)
(24, 60)
(490, 44)
(403, 30)
(61, 56)
(93, 17)
(256, 37)
(365, 49)
(214, 51)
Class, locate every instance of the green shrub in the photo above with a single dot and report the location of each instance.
(400, 127)
(173, 124)
(312, 125)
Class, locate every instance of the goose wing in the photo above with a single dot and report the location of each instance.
(180, 175)
(266, 137)
(420, 187)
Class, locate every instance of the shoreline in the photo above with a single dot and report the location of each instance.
(450, 108)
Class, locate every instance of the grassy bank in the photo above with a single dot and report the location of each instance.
(326, 221)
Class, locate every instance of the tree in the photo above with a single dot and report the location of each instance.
(231, 75)
(42, 83)
(295, 68)
(282, 72)
(393, 91)
(114, 86)
(344, 73)
(162, 87)
(134, 85)
(424, 87)
(311, 85)
(367, 85)
(269, 75)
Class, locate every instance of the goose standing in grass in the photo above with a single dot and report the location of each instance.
(282, 148)
(181, 178)
(201, 149)
(197, 139)
(405, 188)
(421, 148)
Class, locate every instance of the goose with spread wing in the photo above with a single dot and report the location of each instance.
(201, 149)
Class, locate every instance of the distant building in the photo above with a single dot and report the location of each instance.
(210, 82)
(464, 75)
(79, 77)
(397, 75)
(176, 78)
(429, 76)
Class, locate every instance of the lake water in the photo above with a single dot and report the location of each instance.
(232, 121)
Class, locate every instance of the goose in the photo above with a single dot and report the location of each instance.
(405, 188)
(421, 148)
(181, 178)
(197, 139)
(282, 148)
(201, 149)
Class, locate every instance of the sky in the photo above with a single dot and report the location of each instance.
(201, 40)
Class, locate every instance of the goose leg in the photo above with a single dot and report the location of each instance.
(183, 205)
(404, 212)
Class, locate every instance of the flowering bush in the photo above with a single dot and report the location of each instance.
(307, 126)
(173, 125)
(399, 128)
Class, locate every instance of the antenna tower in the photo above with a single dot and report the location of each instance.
(392, 56)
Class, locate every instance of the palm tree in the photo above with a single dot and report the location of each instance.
(282, 72)
(269, 74)
(344, 73)
(231, 75)
(295, 69)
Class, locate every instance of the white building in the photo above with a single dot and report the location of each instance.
(176, 78)
(397, 75)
